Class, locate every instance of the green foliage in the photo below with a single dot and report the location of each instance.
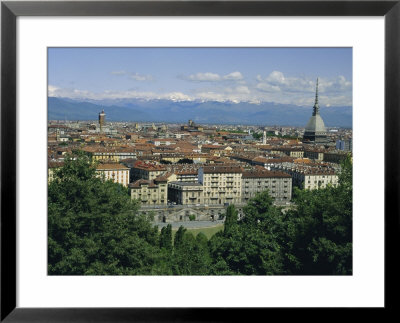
(319, 231)
(179, 236)
(257, 135)
(166, 237)
(231, 218)
(191, 255)
(192, 217)
(93, 226)
(251, 246)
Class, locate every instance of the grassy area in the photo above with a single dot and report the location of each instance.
(209, 232)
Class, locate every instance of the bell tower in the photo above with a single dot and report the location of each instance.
(102, 120)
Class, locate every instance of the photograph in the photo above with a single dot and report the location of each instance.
(200, 161)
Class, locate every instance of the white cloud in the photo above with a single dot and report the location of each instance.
(68, 93)
(140, 77)
(242, 89)
(276, 77)
(213, 77)
(280, 88)
(303, 84)
(54, 91)
(267, 87)
(275, 87)
(204, 77)
(233, 76)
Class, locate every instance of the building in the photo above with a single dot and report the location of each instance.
(150, 192)
(148, 171)
(335, 156)
(344, 144)
(109, 154)
(118, 173)
(270, 163)
(316, 154)
(191, 126)
(296, 152)
(190, 176)
(51, 168)
(278, 184)
(315, 131)
(221, 184)
(185, 193)
(102, 120)
(313, 178)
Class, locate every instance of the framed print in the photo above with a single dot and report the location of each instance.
(55, 54)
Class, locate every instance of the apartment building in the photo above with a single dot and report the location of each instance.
(316, 154)
(221, 184)
(296, 152)
(185, 193)
(311, 178)
(150, 192)
(118, 173)
(278, 184)
(111, 154)
(148, 171)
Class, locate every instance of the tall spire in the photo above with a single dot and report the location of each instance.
(316, 106)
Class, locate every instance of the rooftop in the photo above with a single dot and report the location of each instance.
(264, 174)
(111, 167)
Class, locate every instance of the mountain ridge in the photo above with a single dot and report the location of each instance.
(208, 112)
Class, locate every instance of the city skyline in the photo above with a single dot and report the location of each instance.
(237, 75)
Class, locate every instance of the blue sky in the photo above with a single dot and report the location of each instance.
(281, 75)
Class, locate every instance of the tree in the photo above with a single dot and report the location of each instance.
(231, 218)
(94, 227)
(250, 246)
(166, 237)
(179, 236)
(319, 230)
(191, 255)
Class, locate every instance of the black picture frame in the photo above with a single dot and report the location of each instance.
(10, 10)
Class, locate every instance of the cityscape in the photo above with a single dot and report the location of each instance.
(198, 180)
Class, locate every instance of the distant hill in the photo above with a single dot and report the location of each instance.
(60, 109)
(200, 112)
